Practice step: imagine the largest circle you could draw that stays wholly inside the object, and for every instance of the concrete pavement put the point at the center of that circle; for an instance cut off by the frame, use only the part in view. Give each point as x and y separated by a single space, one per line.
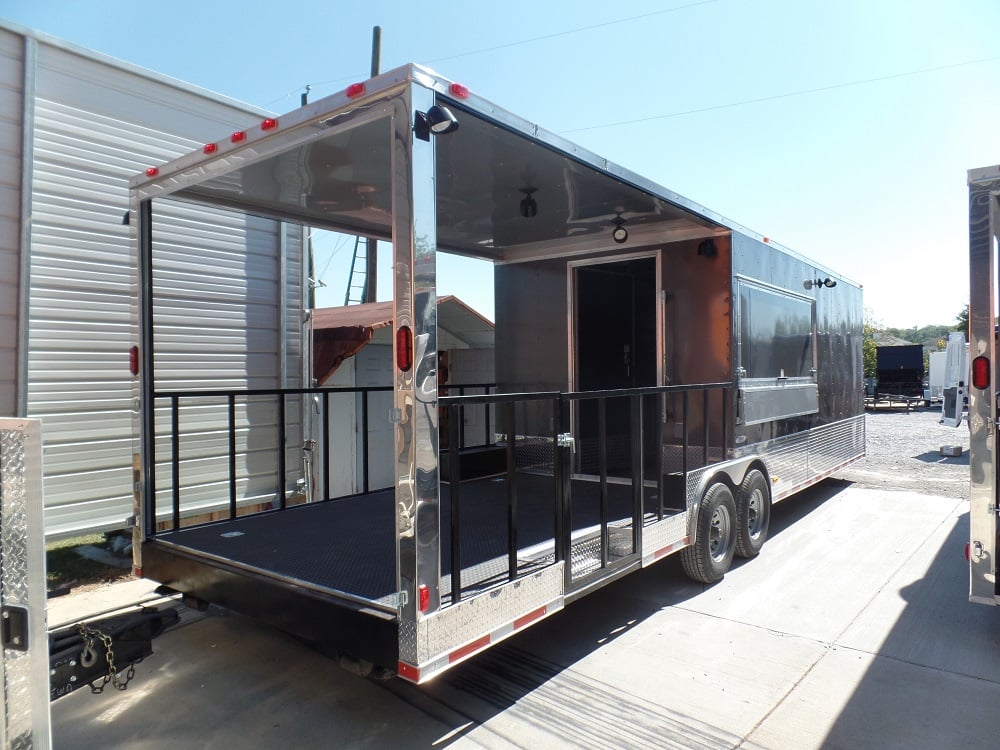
851 630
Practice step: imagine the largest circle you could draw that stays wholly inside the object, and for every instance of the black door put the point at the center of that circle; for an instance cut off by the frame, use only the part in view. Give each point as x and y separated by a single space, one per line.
615 349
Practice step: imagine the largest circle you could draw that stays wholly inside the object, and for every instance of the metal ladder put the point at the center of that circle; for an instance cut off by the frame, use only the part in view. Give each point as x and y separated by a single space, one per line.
357 281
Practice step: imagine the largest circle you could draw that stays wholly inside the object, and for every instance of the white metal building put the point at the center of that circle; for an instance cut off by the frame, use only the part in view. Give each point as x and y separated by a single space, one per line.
74 127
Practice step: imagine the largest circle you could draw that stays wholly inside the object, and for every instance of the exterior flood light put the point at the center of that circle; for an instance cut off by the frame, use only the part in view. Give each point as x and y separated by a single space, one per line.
437 120
819 283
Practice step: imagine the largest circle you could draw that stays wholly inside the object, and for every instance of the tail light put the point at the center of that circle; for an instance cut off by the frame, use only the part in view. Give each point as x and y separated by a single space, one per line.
981 372
404 348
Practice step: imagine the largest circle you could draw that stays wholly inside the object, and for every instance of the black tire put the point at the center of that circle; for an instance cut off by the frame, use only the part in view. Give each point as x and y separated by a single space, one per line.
708 559
753 514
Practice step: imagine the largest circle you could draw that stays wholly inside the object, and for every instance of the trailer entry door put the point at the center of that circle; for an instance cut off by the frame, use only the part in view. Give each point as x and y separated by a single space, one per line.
615 338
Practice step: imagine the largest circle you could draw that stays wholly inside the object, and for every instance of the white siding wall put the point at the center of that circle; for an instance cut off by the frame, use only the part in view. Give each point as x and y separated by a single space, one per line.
218 302
11 81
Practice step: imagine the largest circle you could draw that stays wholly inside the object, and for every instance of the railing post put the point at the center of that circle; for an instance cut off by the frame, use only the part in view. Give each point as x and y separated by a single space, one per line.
281 450
564 478
326 445
704 419
684 427
638 471
602 468
454 485
175 460
509 413
661 486
724 393
364 441
231 402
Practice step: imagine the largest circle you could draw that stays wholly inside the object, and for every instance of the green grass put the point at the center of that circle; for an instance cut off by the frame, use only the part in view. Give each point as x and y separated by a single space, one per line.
65 568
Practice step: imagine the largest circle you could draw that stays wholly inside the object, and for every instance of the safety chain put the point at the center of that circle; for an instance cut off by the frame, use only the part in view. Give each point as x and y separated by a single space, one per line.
88 658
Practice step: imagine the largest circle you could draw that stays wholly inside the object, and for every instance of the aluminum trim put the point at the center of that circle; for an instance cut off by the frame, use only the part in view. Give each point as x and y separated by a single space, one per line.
457 625
29 72
984 223
25 719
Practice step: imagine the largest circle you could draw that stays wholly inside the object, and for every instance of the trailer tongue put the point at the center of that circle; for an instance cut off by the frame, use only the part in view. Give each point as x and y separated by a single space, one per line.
662 377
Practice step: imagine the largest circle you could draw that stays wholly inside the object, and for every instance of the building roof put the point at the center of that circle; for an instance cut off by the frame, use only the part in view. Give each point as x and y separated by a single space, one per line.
341 332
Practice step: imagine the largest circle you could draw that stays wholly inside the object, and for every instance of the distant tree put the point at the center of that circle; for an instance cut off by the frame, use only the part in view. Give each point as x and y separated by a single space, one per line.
962 321
869 348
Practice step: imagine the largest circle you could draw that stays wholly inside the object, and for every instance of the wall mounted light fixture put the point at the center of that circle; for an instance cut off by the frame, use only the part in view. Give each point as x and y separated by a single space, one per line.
819 283
437 120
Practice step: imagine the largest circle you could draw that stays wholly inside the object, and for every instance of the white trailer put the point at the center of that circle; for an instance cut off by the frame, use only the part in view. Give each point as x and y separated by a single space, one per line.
663 376
75 126
984 231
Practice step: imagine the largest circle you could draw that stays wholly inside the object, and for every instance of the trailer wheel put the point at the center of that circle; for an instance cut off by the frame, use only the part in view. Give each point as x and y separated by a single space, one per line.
753 514
708 559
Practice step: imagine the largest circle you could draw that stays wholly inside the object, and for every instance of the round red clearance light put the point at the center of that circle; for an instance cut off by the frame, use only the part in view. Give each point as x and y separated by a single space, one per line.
355 90
269 123
152 172
981 372
458 90
239 135
210 148
404 348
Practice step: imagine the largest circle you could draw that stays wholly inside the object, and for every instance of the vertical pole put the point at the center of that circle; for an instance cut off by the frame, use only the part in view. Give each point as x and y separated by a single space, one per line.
175 461
231 401
564 480
638 470
704 417
326 445
281 449
364 441
511 491
684 424
602 464
661 485
371 252
455 485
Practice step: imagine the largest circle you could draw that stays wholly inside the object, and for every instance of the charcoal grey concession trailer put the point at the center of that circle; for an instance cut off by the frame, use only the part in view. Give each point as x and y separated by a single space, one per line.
663 375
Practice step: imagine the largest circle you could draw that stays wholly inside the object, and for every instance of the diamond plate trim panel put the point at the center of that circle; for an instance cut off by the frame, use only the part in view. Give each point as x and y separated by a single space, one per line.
459 624
25 721
799 460
662 534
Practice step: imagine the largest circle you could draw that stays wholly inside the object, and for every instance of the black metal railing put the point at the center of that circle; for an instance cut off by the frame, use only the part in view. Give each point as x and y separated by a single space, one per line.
644 406
628 429
318 398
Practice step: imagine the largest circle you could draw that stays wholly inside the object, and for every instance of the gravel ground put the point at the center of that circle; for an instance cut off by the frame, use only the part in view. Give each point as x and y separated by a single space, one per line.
904 453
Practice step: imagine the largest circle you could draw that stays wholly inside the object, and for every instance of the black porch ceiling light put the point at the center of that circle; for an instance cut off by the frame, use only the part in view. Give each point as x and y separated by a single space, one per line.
437 120
619 234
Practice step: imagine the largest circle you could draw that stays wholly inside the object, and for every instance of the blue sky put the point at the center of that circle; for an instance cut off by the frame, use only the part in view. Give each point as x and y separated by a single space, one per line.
841 129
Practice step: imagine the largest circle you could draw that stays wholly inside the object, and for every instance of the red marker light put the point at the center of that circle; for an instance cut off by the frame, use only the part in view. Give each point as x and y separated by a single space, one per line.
458 90
210 148
133 360
355 90
981 372
404 348
968 557
269 123
152 172
425 597
239 135
767 240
